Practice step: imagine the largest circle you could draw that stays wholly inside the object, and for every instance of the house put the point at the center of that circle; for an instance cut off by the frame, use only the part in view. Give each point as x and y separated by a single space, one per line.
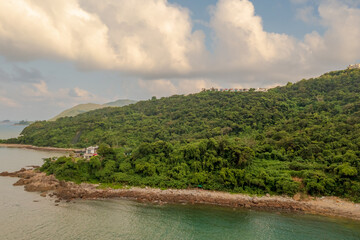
261 90
235 89
90 151
354 66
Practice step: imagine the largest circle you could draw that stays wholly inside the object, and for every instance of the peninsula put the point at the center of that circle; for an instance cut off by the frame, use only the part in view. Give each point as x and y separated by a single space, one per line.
301 140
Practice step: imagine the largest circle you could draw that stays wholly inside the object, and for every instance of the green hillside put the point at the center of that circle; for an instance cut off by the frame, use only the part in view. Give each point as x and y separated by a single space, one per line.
76 110
120 103
82 108
300 138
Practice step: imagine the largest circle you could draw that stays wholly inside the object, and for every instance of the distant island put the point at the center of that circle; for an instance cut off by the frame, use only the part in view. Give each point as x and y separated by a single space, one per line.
82 108
5 121
300 140
23 122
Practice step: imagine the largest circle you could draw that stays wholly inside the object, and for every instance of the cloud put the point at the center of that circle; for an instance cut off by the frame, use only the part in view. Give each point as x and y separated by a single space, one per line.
144 36
19 74
154 39
299 1
307 15
340 43
80 93
36 90
40 29
40 101
40 92
246 53
241 41
7 102
25 75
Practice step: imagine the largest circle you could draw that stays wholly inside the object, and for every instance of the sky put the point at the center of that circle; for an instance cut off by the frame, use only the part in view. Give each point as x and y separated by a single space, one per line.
57 54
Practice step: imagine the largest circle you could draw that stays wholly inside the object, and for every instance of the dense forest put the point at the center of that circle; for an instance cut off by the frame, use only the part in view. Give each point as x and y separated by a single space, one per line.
299 138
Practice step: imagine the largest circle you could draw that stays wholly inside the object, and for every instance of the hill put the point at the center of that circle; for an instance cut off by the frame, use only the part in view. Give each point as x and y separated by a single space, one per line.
82 108
120 103
76 110
302 138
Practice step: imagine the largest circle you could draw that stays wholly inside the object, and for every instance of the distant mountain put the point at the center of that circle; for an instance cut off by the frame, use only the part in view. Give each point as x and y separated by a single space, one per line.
82 108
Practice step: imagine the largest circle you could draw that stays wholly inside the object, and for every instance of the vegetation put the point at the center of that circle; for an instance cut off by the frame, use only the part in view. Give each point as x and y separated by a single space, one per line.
302 137
23 122
82 108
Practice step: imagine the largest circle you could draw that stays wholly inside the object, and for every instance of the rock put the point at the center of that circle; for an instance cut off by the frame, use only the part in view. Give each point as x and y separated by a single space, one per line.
297 197
4 174
21 182
39 182
33 166
36 201
62 183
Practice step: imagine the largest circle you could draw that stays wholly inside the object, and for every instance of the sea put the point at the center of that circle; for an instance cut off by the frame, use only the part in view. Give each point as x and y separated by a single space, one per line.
26 215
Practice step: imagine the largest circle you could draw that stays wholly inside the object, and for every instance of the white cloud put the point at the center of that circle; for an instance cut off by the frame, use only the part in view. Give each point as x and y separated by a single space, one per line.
61 29
155 39
241 39
307 15
148 35
39 92
246 53
80 93
7 102
133 36
340 43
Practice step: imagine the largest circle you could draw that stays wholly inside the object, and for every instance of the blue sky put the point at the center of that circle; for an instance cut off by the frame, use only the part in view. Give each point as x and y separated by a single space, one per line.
54 55
278 15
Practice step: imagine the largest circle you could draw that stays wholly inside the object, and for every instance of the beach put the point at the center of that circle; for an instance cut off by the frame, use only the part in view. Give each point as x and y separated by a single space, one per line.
48 186
37 148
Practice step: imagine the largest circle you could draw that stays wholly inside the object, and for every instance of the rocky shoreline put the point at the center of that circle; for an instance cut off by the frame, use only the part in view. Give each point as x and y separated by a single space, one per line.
35 181
8 145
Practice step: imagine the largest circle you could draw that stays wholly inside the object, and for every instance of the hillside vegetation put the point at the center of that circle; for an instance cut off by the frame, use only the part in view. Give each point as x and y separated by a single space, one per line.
82 108
76 110
300 138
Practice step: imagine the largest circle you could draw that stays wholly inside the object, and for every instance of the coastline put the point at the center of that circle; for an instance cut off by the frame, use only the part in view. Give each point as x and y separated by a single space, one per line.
35 181
10 145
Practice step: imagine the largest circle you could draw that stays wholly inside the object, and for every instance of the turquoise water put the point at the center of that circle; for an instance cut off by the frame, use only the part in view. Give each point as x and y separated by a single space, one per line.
25 215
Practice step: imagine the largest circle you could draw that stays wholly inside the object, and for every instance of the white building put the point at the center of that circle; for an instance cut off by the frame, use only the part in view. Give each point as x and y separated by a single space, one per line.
354 66
90 151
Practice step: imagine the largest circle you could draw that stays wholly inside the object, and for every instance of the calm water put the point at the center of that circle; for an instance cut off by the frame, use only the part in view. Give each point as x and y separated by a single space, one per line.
9 130
26 215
